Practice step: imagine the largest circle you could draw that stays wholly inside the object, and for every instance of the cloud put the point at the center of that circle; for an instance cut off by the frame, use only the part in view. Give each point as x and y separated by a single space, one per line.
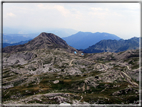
44 6
96 9
63 11
122 19
41 6
54 7
11 14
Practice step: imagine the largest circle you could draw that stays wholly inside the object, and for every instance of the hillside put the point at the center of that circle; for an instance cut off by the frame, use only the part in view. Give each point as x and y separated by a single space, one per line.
43 41
50 76
113 46
83 40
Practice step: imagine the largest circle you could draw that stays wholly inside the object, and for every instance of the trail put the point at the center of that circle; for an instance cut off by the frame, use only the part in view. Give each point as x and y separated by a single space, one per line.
70 64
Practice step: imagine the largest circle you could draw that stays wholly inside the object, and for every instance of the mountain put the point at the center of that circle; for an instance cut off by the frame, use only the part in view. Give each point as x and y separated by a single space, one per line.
43 41
83 40
113 46
13 44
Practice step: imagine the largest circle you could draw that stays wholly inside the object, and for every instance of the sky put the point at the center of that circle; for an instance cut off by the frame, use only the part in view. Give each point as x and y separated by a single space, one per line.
121 19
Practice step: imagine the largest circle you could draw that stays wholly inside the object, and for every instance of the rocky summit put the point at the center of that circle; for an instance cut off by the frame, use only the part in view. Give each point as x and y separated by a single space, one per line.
43 41
51 73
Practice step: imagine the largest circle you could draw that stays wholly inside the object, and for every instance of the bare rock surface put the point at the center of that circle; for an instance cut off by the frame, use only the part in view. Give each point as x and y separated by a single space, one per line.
56 76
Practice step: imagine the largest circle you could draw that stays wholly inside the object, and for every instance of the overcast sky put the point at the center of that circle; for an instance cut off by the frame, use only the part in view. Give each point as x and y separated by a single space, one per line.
121 19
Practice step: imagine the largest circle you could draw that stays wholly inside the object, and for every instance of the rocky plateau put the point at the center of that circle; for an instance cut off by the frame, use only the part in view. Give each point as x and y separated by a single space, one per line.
50 73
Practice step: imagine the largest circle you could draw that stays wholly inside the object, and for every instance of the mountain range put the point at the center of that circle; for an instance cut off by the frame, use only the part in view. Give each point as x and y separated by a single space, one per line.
12 35
104 45
43 41
83 40
78 40
113 45
47 71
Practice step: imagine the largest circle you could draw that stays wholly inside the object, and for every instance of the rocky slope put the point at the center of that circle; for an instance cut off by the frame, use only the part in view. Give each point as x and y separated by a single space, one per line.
53 76
43 41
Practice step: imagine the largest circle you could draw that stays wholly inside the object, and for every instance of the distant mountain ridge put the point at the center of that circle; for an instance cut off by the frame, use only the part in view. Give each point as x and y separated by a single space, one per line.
61 32
15 38
113 46
83 40
13 44
43 41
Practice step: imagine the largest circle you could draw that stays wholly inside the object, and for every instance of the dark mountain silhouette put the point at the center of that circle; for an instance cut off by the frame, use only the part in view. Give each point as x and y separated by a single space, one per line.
113 46
43 41
83 40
